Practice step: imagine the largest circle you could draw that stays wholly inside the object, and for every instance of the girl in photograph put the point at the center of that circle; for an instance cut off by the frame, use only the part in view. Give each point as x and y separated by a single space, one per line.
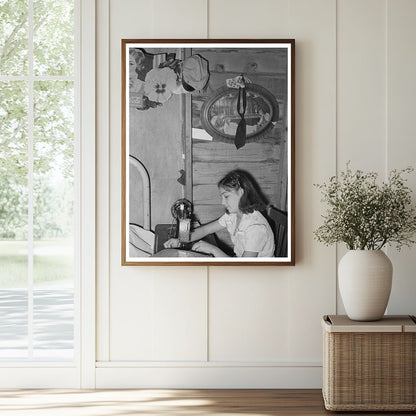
248 228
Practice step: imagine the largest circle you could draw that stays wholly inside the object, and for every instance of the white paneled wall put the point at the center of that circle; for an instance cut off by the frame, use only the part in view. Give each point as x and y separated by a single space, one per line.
401 132
361 88
361 84
163 316
248 315
254 326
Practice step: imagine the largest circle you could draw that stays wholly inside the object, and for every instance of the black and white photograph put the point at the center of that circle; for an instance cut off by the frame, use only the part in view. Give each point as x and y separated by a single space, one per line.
208 152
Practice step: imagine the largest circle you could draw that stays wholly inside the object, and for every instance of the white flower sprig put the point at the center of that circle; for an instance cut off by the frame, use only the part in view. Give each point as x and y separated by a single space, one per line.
365 215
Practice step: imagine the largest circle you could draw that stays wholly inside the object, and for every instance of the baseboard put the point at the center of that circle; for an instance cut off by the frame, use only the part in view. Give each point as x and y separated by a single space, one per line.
39 378
209 377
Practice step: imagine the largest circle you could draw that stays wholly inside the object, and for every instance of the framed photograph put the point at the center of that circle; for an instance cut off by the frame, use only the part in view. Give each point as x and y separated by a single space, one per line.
208 134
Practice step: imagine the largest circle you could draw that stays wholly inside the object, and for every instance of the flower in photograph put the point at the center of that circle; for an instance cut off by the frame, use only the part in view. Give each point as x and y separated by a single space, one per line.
160 83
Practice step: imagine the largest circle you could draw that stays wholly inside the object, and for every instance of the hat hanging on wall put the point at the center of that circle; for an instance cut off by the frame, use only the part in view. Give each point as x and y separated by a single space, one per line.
195 74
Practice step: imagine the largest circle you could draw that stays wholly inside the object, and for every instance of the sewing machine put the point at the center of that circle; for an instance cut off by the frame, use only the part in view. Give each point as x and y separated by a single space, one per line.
181 211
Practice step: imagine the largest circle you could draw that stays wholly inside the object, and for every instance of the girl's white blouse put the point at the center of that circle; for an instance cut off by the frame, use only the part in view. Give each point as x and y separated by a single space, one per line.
253 234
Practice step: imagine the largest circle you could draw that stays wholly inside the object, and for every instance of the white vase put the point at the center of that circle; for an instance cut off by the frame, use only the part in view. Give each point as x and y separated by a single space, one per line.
364 278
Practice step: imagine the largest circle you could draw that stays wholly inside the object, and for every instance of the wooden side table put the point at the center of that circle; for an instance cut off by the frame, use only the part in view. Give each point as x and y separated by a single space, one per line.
369 366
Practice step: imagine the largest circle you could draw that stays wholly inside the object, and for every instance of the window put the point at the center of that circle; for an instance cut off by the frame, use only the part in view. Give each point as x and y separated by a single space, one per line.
38 185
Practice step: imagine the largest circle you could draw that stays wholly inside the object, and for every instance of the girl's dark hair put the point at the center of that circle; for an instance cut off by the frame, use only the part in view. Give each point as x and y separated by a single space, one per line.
252 198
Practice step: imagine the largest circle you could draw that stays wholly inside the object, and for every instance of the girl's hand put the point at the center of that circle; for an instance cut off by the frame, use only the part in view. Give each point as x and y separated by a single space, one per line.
172 243
205 247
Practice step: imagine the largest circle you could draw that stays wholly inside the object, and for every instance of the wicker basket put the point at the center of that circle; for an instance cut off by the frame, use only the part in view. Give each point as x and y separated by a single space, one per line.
369 366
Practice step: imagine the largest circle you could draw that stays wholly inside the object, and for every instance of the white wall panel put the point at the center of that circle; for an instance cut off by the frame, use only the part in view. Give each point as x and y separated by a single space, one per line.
354 101
180 308
264 19
311 282
298 338
361 89
158 316
401 140
179 19
248 314
265 307
145 322
361 84
159 19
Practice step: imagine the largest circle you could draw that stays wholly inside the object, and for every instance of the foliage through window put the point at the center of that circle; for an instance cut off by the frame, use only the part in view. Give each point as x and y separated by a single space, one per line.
37 160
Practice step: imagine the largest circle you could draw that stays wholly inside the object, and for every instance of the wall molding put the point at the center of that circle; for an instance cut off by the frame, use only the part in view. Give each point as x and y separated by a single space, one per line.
103 179
207 377
43 377
204 364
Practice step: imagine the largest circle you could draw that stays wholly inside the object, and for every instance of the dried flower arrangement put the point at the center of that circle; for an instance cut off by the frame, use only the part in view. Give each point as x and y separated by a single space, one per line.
366 215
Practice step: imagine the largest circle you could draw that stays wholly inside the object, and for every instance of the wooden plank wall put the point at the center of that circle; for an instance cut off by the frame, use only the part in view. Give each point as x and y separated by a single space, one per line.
266 158
155 140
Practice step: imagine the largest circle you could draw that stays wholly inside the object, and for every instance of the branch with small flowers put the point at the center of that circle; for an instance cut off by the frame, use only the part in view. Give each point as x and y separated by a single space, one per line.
364 214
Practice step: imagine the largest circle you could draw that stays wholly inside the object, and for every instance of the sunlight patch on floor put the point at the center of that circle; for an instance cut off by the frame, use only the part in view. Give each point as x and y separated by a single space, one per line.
108 403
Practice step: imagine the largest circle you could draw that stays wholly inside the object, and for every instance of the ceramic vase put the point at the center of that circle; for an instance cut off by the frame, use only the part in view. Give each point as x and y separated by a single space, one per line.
364 278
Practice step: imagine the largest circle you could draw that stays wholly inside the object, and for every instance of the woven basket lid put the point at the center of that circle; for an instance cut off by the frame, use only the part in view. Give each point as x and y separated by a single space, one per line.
389 323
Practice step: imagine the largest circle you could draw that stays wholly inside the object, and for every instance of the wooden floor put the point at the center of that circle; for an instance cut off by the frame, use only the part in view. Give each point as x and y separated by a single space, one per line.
165 402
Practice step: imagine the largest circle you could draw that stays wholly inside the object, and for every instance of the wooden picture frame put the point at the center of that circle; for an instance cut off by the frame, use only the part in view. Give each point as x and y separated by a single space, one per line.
194 113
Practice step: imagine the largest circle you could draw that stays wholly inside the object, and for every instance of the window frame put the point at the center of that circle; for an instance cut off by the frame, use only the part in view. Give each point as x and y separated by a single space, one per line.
81 371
